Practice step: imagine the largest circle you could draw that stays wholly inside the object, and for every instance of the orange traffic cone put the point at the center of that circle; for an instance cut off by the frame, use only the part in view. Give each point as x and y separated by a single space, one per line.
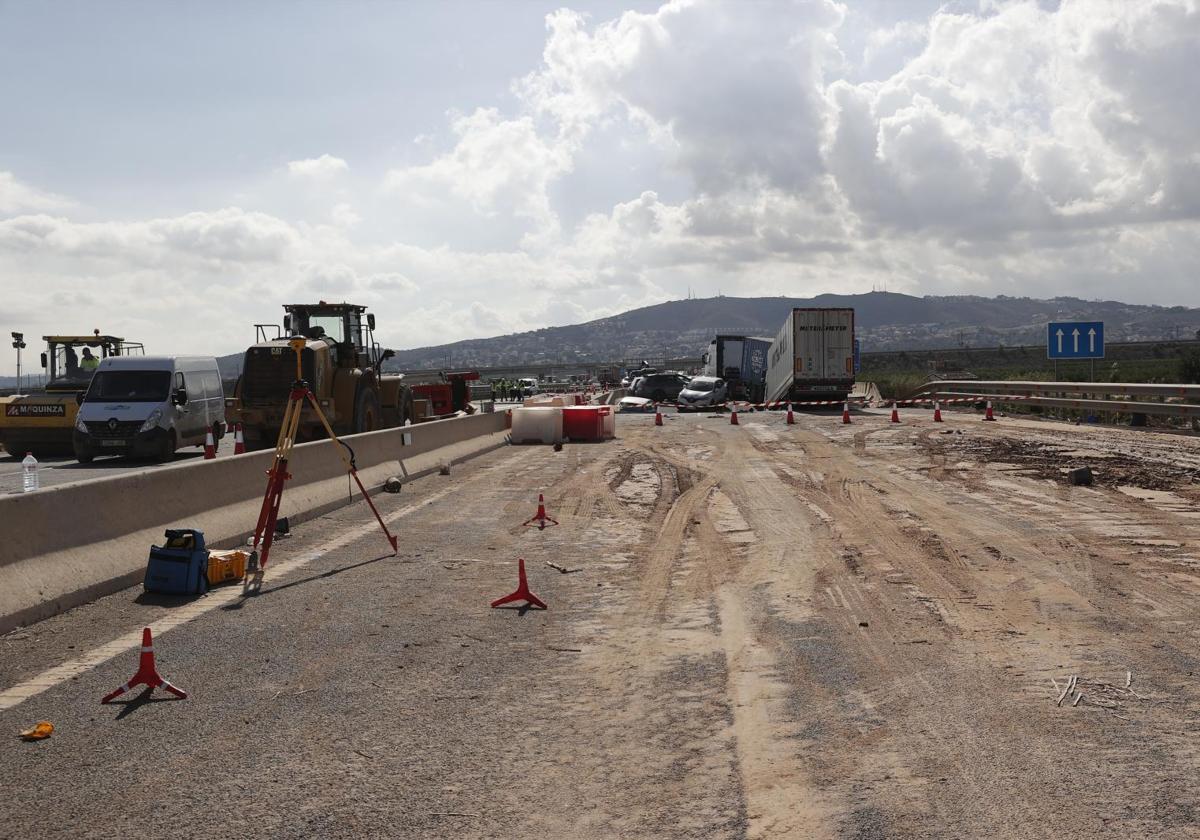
147 674
239 442
657 417
791 418
522 593
895 413
988 414
846 412
210 446
937 412
733 421
540 517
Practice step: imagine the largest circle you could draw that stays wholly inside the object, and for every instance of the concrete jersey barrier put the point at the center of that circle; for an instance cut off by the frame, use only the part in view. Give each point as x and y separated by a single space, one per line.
66 545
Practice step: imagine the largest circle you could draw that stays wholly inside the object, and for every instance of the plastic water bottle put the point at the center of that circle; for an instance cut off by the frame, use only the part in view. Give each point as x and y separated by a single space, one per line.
29 473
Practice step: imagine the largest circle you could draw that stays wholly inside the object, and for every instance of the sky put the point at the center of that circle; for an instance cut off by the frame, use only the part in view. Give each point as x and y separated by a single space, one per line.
175 172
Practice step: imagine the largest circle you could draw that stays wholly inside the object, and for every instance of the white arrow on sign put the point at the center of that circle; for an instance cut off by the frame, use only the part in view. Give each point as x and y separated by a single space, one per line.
1075 332
1060 335
1092 340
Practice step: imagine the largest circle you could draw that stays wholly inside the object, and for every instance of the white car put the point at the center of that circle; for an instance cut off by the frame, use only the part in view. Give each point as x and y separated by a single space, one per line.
703 392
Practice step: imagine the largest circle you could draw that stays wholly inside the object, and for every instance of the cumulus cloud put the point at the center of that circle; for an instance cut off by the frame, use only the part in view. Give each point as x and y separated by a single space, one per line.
1019 147
18 197
322 168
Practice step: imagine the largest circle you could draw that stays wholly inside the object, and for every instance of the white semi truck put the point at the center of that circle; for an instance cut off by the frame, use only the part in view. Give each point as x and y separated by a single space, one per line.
812 357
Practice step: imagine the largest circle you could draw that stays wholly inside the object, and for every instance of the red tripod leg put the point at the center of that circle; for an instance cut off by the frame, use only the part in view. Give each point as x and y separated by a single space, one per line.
374 510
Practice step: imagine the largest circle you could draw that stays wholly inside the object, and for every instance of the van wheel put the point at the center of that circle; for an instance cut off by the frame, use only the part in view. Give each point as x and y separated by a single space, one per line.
166 450
366 411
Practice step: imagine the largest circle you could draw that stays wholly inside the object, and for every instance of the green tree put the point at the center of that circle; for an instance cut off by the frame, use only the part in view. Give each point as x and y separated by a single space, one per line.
1189 366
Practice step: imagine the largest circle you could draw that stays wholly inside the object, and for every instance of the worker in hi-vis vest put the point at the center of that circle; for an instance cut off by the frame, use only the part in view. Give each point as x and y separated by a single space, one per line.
88 362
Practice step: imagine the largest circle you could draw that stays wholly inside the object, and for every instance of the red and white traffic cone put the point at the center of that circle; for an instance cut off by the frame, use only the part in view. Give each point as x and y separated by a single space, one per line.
522 593
239 441
210 446
846 412
987 415
540 517
791 418
147 674
895 413
733 421
937 412
657 417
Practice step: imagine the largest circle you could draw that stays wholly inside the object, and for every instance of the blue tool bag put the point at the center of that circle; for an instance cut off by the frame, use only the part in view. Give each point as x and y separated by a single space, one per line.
180 566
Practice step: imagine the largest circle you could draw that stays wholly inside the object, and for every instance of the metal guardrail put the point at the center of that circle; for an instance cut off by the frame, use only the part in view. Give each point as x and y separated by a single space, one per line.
1085 396
1033 389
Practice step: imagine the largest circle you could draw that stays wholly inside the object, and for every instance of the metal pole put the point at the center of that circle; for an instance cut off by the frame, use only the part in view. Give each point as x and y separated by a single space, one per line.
18 370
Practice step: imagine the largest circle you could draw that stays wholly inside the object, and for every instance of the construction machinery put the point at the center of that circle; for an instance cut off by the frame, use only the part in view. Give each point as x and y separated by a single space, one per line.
444 394
42 422
340 361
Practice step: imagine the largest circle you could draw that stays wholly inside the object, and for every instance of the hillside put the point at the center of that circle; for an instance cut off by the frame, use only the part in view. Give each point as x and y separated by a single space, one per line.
885 321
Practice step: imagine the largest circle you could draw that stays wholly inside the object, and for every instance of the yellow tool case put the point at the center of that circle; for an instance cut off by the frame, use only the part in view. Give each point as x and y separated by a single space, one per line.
226 566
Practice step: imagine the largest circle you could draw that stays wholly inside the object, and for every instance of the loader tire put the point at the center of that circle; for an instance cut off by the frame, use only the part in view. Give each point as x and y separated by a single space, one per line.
367 413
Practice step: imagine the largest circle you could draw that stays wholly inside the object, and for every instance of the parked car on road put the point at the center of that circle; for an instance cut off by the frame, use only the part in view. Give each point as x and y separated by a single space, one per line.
703 392
660 387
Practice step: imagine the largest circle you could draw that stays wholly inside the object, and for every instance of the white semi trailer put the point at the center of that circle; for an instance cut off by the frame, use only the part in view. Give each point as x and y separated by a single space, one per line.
812 357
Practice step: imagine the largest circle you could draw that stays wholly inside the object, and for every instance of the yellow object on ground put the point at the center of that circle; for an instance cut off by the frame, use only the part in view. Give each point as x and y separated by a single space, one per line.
226 566
40 730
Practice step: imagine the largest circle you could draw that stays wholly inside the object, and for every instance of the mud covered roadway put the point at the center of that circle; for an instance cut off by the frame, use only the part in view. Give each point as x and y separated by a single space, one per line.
764 630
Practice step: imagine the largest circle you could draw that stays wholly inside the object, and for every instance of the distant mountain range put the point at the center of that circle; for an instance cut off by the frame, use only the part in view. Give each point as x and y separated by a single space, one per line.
884 321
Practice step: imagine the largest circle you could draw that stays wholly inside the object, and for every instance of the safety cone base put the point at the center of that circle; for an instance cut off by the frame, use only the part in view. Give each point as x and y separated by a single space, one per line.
147 673
522 592
541 517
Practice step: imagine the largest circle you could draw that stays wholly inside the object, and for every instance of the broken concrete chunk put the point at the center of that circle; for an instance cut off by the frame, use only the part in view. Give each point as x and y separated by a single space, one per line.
392 485
1079 476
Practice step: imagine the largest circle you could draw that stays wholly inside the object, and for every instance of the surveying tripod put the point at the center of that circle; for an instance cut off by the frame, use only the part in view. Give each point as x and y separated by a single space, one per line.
277 476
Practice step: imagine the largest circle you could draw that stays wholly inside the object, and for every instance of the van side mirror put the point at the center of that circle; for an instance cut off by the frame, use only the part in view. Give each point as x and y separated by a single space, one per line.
371 320
179 396
287 324
79 395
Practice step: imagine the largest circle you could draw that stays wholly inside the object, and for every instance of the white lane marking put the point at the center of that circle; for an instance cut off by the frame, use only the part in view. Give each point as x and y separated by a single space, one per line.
182 615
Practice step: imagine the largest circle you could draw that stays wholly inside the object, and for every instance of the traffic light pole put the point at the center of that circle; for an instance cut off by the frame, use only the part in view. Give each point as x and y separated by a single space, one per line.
18 344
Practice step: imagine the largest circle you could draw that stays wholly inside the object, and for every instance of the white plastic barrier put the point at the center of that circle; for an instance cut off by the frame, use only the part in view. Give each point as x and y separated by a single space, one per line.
537 425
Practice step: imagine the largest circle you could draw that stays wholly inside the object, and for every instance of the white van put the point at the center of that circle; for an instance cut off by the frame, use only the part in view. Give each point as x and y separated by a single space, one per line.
149 407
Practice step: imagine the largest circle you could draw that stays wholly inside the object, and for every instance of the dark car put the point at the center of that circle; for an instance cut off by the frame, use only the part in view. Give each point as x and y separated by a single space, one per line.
660 387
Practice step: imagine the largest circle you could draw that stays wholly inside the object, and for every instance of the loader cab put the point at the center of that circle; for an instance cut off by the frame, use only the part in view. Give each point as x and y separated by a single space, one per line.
343 325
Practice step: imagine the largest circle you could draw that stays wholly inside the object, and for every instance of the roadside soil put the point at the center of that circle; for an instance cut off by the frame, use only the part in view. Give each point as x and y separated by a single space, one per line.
819 630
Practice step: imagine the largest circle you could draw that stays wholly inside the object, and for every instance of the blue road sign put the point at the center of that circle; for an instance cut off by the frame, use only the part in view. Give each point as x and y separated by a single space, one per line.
857 358
1075 340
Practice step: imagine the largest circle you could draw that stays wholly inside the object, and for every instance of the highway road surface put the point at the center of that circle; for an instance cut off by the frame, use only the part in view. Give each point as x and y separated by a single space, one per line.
62 469
812 631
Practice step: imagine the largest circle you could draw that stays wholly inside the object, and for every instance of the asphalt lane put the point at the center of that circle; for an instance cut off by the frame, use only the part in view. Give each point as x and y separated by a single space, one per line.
63 469
344 701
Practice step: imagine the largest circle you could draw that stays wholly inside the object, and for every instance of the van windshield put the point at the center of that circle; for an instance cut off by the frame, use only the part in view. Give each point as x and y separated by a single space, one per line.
130 386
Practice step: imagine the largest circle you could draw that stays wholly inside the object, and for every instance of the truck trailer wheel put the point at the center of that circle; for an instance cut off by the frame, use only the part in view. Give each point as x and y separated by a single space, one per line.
367 412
